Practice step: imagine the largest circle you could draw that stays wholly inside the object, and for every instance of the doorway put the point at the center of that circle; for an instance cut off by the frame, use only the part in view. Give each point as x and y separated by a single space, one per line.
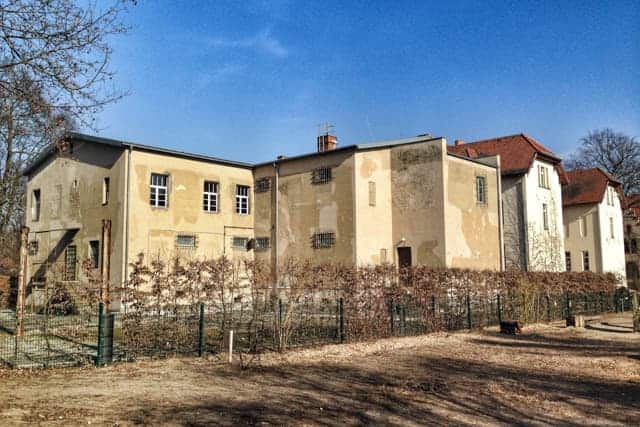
404 257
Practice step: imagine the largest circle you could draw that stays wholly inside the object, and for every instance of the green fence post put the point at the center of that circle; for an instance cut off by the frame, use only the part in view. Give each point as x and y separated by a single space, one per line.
100 334
341 324
499 309
468 311
201 331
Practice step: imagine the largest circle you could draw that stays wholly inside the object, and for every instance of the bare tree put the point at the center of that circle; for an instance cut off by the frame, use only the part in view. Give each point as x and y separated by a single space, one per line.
615 152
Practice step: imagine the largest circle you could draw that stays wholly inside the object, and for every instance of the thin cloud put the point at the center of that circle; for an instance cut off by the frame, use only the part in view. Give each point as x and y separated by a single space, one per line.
219 74
263 41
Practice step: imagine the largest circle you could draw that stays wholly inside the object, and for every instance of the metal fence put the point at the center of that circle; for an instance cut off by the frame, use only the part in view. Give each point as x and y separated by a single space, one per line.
88 335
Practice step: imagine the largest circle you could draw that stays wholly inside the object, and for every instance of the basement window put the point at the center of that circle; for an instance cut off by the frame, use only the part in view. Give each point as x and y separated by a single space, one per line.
323 240
321 175
239 242
158 190
35 205
262 243
186 241
263 185
94 253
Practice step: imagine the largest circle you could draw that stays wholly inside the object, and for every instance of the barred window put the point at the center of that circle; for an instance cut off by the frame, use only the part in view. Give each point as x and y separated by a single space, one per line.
263 185
262 243
240 242
70 263
321 176
158 190
481 189
242 199
33 247
210 196
186 241
323 240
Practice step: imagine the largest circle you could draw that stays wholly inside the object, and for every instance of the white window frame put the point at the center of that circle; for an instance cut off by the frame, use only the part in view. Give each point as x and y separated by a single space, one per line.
545 217
155 189
242 200
210 199
481 190
543 176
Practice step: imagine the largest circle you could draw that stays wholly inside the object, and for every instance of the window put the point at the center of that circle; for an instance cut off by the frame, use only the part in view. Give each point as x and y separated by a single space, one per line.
242 199
263 185
33 247
545 216
323 240
611 228
105 191
585 261
372 193
628 229
481 189
567 260
262 243
210 196
186 241
158 190
94 253
611 195
321 176
70 261
35 205
240 242
543 176
582 222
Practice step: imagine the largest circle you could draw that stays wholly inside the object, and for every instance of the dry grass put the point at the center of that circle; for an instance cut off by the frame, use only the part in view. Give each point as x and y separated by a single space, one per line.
547 376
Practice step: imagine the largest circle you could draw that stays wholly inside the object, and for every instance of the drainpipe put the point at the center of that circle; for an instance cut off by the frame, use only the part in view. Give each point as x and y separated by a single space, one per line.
127 202
276 169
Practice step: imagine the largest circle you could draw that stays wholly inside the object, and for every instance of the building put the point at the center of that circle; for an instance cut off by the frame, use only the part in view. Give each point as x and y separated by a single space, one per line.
407 202
531 180
594 238
632 240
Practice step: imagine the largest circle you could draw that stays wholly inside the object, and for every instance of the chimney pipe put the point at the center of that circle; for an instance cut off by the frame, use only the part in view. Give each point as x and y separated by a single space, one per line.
326 141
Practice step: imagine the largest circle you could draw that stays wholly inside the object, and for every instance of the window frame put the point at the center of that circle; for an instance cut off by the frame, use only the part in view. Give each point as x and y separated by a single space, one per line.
106 188
192 245
262 243
612 234
36 204
481 190
323 240
210 198
545 216
262 185
95 262
235 242
240 198
543 177
567 260
154 191
321 175
71 271
586 262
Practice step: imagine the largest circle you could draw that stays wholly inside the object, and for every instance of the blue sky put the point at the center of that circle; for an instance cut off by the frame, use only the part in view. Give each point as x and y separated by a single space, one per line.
249 80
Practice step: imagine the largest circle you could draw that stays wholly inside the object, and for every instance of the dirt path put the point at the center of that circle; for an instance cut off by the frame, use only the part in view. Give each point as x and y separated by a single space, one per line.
547 376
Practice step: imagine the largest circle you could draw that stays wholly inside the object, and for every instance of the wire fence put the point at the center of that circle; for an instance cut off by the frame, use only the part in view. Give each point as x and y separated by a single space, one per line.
88 335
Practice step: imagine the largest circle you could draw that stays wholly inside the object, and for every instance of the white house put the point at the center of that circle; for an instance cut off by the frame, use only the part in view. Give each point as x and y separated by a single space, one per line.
593 217
532 179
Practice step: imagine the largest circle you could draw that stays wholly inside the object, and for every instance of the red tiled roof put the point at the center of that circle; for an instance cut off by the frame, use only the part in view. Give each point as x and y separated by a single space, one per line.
517 153
586 186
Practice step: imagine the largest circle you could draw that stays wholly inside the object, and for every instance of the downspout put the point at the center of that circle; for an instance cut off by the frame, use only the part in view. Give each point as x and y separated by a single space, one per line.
500 213
276 169
127 202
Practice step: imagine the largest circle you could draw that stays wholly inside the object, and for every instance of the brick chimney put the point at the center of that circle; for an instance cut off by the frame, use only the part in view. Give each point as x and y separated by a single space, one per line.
458 142
326 140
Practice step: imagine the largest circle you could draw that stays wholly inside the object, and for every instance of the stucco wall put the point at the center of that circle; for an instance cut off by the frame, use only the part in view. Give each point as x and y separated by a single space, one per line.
153 230
71 198
575 242
472 228
417 180
515 252
611 249
545 248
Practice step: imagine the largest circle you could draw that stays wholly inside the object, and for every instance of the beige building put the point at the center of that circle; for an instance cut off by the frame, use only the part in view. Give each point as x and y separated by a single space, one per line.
594 238
406 202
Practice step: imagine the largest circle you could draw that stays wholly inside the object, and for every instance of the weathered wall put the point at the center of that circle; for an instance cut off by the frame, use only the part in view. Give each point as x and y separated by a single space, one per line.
153 230
545 249
417 180
514 230
71 205
374 224
472 228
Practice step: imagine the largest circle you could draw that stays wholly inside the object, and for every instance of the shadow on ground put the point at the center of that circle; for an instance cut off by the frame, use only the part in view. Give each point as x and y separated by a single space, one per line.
414 387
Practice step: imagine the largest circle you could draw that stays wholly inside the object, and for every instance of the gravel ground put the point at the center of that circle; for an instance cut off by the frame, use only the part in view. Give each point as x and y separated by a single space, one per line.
549 375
